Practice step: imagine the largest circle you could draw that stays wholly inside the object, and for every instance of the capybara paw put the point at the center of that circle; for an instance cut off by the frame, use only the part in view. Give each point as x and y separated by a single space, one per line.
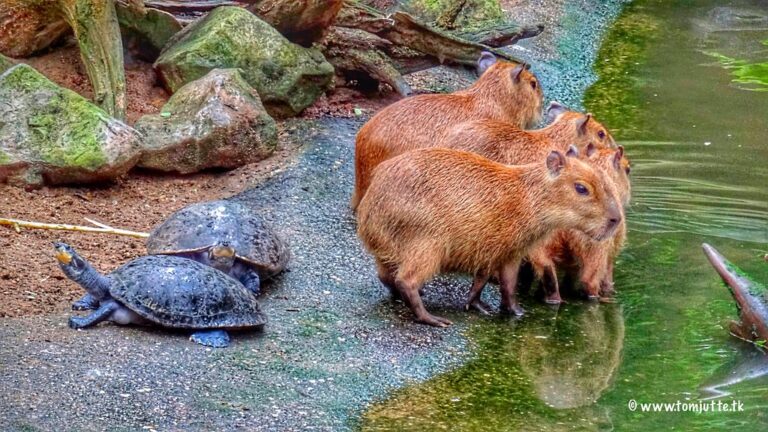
479 306
603 299
553 300
434 321
514 309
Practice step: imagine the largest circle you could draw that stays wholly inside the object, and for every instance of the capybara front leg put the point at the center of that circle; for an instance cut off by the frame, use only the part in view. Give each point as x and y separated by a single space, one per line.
508 279
473 300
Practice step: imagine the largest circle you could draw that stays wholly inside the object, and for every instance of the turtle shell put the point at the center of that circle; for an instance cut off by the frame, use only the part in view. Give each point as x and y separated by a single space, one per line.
182 293
200 226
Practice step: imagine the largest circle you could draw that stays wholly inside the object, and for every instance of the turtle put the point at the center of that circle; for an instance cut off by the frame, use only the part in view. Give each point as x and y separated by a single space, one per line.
222 234
164 290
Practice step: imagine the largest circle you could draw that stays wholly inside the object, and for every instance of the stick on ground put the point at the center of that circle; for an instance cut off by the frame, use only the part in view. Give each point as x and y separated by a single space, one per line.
101 228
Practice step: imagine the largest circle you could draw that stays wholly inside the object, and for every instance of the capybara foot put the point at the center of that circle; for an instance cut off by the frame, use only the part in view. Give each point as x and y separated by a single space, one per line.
433 320
513 309
480 306
553 299
603 299
593 297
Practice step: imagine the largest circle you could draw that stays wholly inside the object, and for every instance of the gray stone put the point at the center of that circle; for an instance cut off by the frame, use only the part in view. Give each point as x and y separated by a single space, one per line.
217 121
52 135
287 76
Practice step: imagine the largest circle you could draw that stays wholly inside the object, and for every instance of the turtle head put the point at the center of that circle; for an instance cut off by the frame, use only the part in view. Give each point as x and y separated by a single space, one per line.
222 256
72 264
81 271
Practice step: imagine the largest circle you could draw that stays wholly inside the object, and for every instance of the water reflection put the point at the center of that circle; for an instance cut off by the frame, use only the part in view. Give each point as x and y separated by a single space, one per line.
572 358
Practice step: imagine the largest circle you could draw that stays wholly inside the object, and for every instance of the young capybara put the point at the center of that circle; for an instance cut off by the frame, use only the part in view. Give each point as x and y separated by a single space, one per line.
439 210
572 249
505 91
505 143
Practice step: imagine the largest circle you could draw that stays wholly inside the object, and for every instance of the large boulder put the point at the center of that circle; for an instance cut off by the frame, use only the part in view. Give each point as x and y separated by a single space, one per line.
287 76
217 121
52 135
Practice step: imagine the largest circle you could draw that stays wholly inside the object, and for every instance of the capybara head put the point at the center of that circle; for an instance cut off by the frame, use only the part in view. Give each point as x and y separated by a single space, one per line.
514 82
583 195
615 165
582 129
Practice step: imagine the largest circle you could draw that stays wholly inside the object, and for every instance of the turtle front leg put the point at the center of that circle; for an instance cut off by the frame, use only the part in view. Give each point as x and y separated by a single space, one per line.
252 281
212 338
87 302
101 314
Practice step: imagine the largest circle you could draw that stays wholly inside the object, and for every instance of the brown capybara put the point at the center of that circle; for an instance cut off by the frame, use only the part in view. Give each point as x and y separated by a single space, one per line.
572 249
439 210
505 91
506 143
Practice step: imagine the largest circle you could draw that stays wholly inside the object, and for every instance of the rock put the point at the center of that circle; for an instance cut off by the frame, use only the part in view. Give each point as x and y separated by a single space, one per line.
287 76
52 135
28 26
216 121
5 63
458 14
152 28
301 21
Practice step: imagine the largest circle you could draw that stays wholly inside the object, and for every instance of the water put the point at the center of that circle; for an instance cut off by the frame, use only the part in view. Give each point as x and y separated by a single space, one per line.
674 89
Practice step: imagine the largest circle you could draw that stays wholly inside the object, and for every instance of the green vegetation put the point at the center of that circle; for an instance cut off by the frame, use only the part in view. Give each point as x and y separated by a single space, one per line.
751 76
615 97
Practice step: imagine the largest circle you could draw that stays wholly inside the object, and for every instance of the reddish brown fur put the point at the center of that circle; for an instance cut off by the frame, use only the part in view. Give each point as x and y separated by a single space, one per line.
422 121
572 249
436 210
508 144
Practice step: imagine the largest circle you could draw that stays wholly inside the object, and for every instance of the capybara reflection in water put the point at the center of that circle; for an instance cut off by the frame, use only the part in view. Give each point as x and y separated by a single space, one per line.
440 210
505 91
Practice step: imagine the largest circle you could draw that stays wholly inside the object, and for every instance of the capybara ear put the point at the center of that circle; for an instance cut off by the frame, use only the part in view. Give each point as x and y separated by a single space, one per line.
583 124
485 61
617 157
572 151
590 149
555 162
517 71
554 109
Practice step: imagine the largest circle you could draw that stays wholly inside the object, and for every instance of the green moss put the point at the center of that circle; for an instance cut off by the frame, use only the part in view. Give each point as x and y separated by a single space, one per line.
615 98
287 76
5 63
63 128
751 76
474 14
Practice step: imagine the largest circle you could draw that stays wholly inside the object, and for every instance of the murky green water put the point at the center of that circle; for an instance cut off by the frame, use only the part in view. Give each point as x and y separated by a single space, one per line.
697 132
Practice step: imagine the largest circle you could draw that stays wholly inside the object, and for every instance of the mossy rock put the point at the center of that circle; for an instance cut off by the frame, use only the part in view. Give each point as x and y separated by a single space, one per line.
152 28
474 14
52 135
5 63
287 76
217 121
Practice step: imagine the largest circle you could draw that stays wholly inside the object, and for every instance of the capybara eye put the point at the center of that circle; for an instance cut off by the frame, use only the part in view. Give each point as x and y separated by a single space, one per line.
628 170
601 134
533 85
581 189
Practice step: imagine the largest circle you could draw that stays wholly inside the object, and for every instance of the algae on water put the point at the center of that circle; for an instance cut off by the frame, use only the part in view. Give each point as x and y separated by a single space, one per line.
751 76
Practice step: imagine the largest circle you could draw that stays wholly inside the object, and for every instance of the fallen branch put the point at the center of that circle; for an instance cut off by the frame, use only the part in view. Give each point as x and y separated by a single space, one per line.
100 228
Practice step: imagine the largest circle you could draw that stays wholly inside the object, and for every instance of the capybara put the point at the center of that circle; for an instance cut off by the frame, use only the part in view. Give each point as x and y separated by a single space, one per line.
506 143
440 210
505 91
572 249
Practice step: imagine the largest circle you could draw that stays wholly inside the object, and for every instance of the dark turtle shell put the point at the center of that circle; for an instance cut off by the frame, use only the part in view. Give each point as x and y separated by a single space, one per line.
200 226
182 293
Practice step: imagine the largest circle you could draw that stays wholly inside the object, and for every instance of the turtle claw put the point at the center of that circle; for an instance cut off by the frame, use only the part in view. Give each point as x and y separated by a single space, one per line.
87 302
211 338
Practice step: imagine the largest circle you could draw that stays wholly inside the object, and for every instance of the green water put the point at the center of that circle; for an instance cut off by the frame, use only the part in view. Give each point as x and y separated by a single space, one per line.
697 134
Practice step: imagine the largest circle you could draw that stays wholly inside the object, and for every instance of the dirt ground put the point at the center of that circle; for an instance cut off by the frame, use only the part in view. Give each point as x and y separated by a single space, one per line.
31 282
